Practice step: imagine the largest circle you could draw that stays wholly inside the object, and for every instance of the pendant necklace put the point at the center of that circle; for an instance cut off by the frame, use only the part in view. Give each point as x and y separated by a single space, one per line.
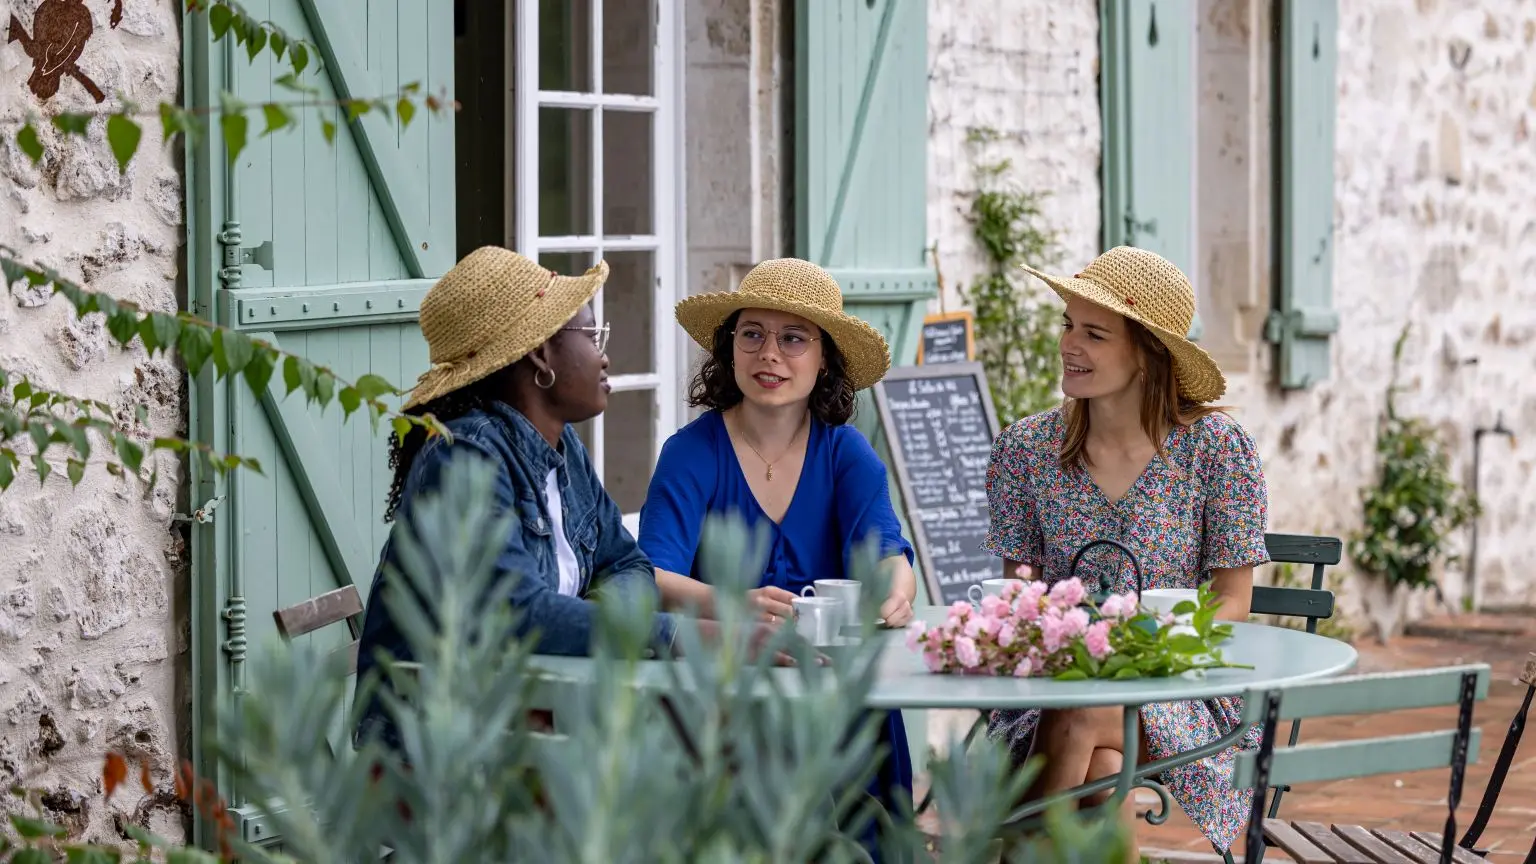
791 446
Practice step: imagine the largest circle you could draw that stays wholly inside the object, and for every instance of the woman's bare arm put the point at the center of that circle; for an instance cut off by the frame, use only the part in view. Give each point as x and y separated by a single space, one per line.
1234 587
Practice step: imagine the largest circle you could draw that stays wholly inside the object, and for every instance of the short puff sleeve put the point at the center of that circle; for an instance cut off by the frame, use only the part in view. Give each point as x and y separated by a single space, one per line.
1236 497
1014 533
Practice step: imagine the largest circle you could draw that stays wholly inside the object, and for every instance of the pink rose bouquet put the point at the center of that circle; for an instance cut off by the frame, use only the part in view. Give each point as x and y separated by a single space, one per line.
1035 630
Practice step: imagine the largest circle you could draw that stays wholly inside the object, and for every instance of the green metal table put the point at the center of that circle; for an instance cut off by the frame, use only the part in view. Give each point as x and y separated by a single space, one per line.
1278 655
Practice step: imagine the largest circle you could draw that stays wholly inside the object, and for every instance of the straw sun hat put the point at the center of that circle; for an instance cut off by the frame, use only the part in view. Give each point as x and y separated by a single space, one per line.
800 288
1150 290
492 308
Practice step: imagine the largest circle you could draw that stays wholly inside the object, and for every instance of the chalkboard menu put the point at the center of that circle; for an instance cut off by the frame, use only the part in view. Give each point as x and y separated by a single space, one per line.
939 425
946 339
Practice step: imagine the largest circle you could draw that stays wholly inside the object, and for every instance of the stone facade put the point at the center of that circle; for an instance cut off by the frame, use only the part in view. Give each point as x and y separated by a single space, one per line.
1436 230
93 580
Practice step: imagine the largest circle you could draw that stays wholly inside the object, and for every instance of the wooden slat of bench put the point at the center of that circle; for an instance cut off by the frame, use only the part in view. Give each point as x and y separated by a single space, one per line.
317 612
1458 854
1291 841
1295 602
1366 842
1400 841
1318 834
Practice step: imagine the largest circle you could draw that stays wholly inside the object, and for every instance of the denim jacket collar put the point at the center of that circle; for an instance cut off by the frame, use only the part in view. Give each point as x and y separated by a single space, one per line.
531 447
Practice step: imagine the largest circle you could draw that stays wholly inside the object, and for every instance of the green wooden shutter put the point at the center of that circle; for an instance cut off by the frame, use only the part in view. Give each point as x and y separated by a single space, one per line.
861 155
1148 94
324 249
861 181
1305 318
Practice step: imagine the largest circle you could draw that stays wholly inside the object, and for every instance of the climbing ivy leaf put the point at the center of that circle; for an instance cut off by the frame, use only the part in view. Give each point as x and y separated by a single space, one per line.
123 135
231 351
71 123
234 126
27 140
277 117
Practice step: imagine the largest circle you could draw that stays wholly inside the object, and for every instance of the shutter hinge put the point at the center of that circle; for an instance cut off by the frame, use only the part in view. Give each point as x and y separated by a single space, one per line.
234 616
261 256
202 515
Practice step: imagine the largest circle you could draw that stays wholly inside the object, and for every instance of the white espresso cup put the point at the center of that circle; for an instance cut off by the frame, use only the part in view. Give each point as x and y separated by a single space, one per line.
846 590
989 587
818 620
1162 601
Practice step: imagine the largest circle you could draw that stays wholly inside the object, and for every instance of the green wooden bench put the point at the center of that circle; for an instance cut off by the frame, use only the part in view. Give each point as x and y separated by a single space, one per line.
1313 843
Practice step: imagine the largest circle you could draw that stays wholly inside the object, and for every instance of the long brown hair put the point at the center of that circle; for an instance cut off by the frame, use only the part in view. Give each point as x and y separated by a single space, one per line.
1162 408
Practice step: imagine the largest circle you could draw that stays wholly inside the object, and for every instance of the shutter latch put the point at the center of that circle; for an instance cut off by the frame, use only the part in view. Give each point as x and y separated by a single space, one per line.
261 256
1133 227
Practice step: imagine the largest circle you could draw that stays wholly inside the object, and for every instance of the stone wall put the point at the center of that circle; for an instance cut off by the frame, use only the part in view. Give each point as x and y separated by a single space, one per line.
1027 75
92 620
1435 202
1436 229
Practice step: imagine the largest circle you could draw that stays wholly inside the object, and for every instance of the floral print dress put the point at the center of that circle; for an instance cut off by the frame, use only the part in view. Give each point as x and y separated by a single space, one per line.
1200 505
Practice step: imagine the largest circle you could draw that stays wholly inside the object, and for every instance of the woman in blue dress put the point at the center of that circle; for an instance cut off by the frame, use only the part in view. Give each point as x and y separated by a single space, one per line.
774 447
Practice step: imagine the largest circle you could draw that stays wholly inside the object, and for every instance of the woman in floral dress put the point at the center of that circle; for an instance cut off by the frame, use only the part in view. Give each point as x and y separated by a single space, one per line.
1136 454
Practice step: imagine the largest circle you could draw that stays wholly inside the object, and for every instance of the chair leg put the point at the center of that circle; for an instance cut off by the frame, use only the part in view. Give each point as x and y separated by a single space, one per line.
1500 770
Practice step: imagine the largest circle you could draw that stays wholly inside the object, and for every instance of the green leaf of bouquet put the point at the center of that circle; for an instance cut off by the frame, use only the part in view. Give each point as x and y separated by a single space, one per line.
1186 643
1072 675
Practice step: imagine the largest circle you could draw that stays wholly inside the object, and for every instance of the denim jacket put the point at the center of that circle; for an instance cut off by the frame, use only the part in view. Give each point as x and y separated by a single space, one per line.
606 553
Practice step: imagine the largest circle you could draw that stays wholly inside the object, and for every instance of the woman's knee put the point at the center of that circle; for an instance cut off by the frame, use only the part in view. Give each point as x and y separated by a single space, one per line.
1081 727
1105 762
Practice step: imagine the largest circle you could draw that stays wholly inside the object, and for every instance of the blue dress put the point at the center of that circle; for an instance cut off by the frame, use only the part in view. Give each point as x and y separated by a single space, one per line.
842 499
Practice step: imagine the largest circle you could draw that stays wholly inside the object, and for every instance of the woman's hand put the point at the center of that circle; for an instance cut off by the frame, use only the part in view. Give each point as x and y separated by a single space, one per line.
896 610
772 603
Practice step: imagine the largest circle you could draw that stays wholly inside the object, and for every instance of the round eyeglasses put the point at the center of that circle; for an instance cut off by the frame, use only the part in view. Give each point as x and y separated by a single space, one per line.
599 335
750 339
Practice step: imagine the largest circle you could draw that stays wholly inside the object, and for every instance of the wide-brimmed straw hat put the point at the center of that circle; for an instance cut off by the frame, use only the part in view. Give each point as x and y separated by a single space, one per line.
492 308
1152 291
800 288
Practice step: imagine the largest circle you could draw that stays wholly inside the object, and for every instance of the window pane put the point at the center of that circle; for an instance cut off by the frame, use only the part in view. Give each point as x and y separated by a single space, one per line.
566 263
628 173
565 171
565 45
629 39
629 438
628 301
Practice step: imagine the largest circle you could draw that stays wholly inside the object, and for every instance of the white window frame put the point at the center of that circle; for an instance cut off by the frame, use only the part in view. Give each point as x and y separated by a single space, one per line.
665 243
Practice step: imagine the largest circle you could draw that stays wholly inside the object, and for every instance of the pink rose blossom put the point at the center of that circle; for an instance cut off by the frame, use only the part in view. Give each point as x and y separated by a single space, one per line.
993 606
1097 640
967 653
960 609
1075 621
933 660
1068 593
1011 591
1053 631
1006 634
972 627
1025 667
1119 606
915 633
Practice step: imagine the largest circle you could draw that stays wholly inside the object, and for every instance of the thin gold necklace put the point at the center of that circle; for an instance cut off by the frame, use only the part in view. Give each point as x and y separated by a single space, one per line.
791 445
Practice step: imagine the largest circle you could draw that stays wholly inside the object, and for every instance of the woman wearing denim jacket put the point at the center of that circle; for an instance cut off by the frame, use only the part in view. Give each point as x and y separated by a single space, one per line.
517 358
775 448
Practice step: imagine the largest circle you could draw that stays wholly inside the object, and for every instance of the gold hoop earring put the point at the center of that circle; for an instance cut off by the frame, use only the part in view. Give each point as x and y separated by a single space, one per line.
540 384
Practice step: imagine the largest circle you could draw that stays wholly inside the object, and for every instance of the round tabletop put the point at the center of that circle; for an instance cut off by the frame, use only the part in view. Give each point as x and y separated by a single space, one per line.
1278 656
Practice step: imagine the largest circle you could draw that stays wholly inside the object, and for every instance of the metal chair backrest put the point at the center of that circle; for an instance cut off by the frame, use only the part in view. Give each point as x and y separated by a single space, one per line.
1335 760
332 607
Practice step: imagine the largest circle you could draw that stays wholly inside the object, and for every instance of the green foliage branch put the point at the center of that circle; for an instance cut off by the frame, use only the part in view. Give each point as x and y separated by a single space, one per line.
1411 512
53 419
1017 323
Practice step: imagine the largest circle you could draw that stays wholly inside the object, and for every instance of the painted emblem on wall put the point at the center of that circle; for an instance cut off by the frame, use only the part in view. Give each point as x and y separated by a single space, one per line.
60 29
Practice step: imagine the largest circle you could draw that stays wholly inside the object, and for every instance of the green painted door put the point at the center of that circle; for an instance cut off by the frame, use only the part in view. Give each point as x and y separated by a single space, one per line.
861 156
1148 98
324 249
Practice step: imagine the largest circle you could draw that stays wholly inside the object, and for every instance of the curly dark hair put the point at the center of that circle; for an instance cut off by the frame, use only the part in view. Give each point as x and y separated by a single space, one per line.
714 386
449 406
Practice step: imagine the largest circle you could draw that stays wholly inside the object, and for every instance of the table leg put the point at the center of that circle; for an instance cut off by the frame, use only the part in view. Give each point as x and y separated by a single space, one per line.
1132 746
